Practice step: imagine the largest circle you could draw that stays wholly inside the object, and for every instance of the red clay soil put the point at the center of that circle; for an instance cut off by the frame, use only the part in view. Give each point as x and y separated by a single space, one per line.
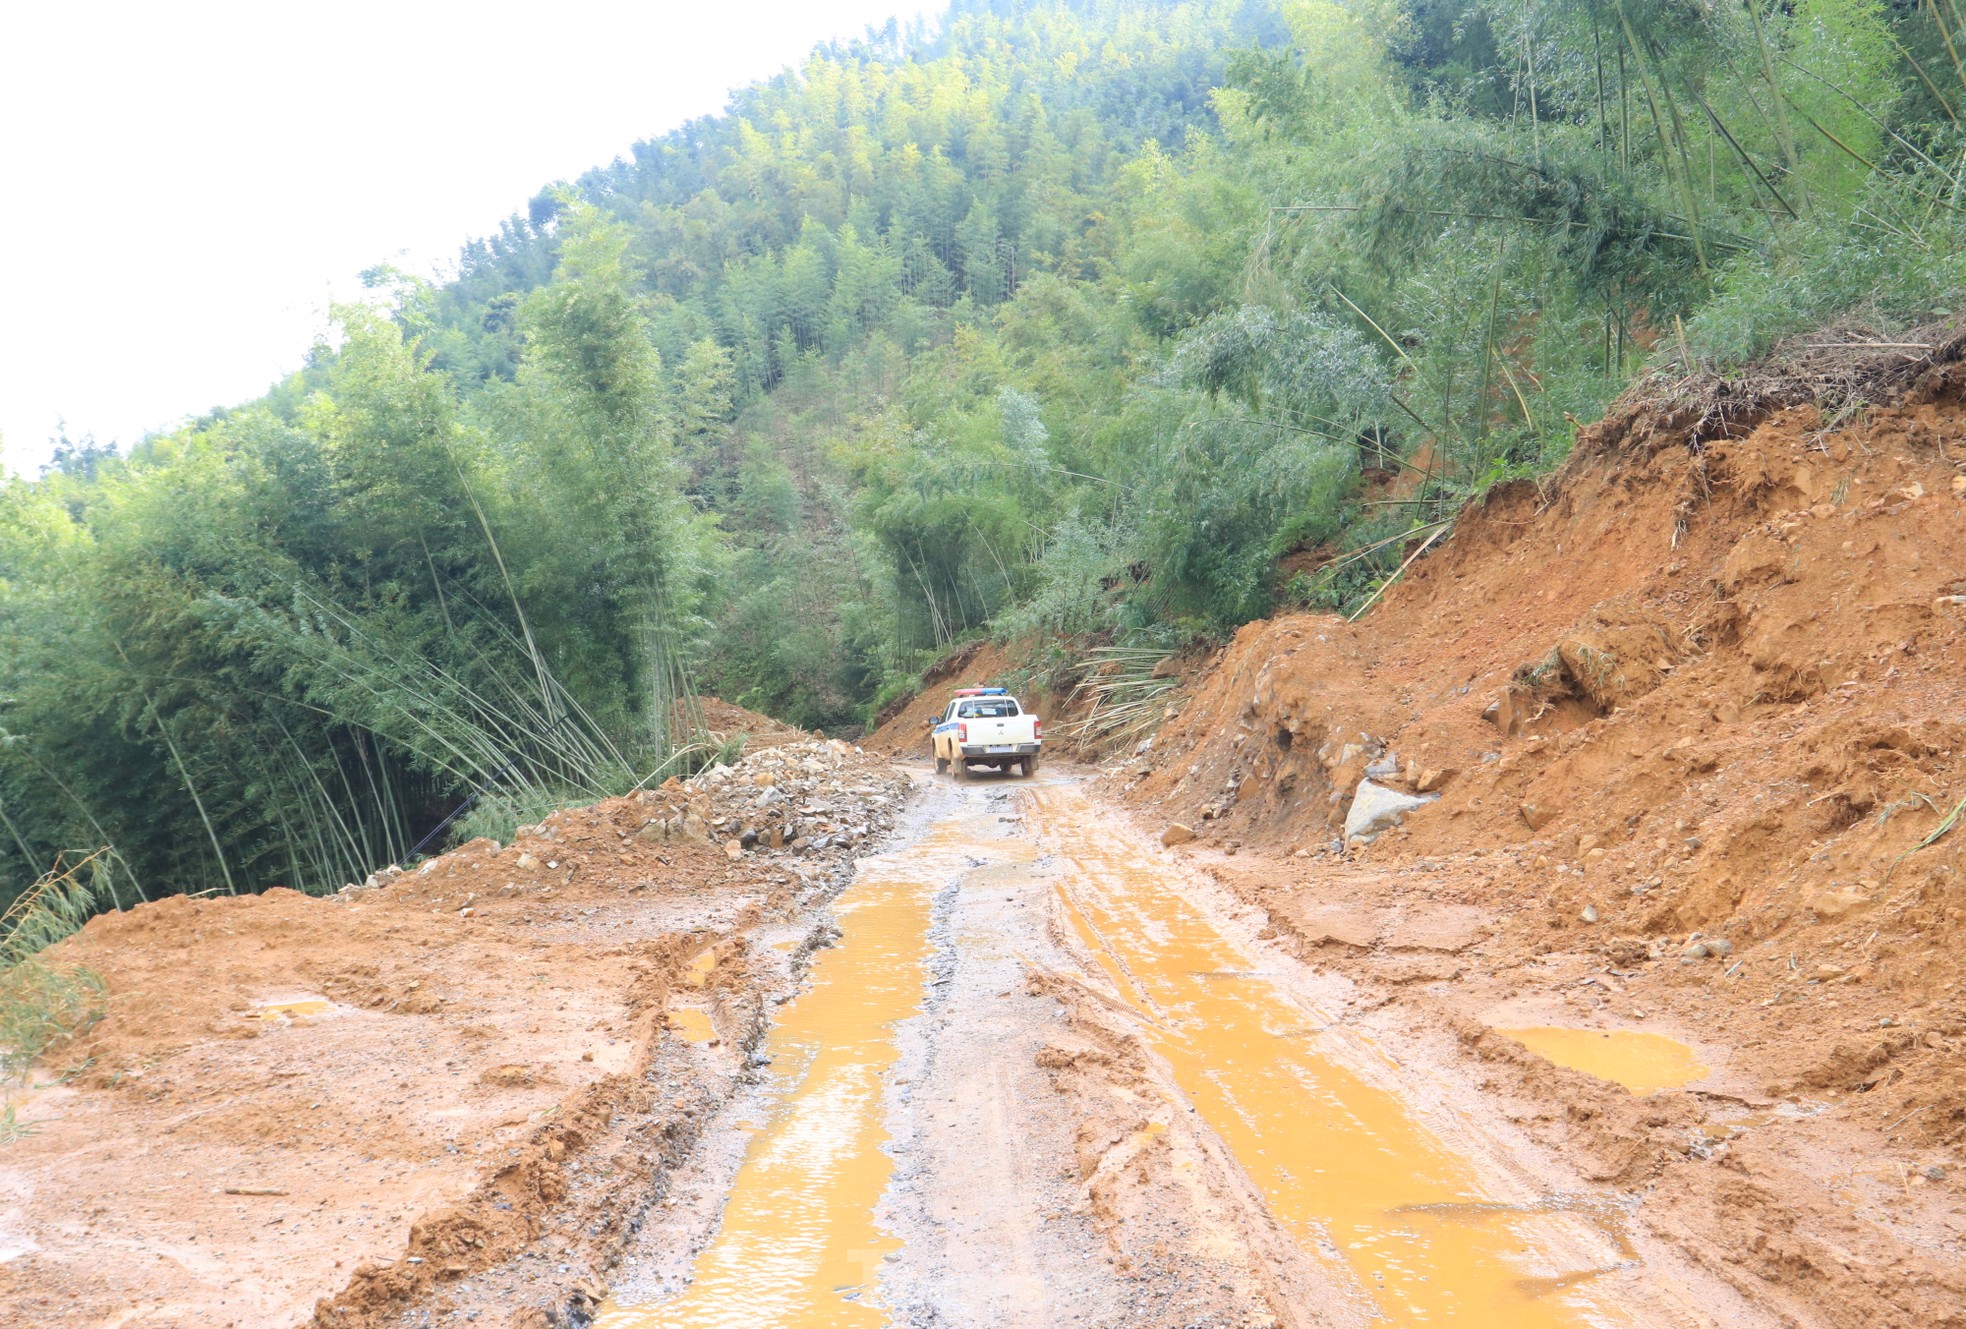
726 720
1691 712
484 1096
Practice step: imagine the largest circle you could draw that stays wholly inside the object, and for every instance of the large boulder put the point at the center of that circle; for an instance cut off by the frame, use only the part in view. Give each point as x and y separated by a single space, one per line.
1375 807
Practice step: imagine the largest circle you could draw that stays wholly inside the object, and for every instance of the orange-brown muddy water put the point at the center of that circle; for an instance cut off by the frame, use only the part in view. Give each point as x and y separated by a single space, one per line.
798 1245
291 1010
1642 1062
693 1023
1334 1156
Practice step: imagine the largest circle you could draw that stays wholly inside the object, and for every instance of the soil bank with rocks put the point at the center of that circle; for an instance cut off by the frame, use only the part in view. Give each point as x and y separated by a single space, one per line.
1670 743
476 1086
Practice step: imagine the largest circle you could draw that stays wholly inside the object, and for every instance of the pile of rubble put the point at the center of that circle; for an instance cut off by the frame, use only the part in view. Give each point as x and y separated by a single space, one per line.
805 797
812 798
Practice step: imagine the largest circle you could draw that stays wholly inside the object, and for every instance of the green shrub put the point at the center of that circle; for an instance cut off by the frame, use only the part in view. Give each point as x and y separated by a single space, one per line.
1899 260
40 1005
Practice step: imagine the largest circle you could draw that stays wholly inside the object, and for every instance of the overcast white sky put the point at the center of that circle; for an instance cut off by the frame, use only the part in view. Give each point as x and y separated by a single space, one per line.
184 186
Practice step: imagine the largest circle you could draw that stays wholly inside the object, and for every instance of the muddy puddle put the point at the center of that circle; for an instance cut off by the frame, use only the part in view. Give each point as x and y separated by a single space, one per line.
302 1008
798 1246
1642 1062
693 1023
1361 1185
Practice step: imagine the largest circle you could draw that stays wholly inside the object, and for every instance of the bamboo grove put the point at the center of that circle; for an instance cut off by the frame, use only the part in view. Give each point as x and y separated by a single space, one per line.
1058 319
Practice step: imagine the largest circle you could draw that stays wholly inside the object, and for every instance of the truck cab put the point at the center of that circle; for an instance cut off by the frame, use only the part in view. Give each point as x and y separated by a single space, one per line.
985 727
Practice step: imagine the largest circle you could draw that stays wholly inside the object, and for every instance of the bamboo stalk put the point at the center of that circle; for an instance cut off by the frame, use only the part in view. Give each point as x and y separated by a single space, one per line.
1946 36
1869 115
1858 156
1783 136
1684 180
1926 79
1371 599
1742 154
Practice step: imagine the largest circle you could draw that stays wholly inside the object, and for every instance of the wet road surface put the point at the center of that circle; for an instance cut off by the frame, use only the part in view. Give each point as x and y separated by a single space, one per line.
909 1163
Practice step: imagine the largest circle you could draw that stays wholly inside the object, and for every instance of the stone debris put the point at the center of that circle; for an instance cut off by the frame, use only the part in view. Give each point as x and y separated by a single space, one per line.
815 798
1538 815
809 797
1375 807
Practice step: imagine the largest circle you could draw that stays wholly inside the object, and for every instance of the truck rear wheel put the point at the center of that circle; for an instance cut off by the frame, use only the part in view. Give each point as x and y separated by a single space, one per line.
961 771
941 765
1030 767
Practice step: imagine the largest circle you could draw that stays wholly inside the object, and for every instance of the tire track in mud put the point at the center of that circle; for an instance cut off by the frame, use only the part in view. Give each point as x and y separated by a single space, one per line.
796 1242
990 1235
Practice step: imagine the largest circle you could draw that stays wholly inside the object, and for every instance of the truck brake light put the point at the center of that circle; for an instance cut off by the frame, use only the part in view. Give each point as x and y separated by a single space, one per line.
962 733
1037 728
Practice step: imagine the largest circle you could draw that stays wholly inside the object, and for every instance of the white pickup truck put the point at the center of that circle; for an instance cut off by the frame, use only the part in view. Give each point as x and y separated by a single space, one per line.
985 727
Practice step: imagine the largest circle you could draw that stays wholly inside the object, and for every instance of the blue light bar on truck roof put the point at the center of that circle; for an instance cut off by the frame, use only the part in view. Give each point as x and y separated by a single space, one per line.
982 692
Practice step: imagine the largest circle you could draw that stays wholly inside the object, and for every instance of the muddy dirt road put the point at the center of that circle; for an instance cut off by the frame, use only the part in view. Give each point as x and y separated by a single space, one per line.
947 1057
1052 1075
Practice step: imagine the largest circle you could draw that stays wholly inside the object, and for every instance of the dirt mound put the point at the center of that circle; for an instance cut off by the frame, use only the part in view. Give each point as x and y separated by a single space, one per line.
1844 370
726 720
1688 722
387 1097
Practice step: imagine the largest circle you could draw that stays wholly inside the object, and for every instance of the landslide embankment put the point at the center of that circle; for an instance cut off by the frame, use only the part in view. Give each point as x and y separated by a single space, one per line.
454 1089
726 722
1670 742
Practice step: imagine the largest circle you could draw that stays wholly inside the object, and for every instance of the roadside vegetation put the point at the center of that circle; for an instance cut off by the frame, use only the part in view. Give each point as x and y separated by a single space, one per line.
41 1002
1067 320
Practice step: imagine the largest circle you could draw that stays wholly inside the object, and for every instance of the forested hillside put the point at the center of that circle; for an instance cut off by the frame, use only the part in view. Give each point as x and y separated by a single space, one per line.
1067 318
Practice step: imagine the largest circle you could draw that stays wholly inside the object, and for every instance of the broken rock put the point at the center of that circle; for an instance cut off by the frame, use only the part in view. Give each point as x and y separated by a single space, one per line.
1538 815
1375 807
1177 833
1838 903
1431 781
